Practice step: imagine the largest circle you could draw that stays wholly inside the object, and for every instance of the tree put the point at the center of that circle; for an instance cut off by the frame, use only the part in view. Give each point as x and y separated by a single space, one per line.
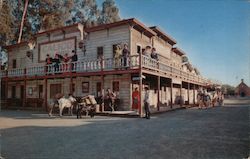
49 14
110 12
85 12
228 89
6 22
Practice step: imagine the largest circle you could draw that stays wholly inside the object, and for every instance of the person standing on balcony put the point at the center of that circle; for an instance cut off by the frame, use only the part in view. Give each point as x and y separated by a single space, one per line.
136 99
147 51
125 55
48 61
117 56
74 59
56 62
146 103
154 55
66 59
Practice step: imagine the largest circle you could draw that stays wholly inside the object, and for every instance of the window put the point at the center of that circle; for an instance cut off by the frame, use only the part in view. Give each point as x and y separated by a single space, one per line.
14 63
13 92
138 49
99 89
54 89
40 91
99 52
85 87
116 87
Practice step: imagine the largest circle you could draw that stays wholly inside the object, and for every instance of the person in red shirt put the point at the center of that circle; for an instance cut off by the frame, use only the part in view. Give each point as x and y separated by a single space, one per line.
48 60
66 59
136 99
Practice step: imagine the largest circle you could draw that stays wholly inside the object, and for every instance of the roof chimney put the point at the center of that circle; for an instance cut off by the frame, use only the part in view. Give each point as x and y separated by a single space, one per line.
242 80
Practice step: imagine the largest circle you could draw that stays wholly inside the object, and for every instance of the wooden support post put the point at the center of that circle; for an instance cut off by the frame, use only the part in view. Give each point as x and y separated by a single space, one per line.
25 85
171 94
103 93
188 93
181 95
194 94
102 85
6 93
140 86
71 85
158 92
46 94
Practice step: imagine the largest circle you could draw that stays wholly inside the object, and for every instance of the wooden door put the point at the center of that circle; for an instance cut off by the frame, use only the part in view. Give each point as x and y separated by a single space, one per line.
54 89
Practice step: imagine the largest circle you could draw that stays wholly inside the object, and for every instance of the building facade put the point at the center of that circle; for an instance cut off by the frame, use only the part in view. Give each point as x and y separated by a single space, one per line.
29 82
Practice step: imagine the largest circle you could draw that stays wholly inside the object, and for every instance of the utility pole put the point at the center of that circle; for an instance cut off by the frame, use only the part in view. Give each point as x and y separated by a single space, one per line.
22 22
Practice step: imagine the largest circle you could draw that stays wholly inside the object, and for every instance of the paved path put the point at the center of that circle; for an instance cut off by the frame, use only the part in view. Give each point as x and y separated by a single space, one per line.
221 132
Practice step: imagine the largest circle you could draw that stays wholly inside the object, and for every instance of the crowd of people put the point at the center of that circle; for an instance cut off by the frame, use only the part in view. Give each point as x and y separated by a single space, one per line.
65 60
206 99
121 58
121 55
150 52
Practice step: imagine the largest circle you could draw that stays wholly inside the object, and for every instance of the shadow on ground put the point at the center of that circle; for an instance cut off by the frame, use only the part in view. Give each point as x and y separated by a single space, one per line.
221 132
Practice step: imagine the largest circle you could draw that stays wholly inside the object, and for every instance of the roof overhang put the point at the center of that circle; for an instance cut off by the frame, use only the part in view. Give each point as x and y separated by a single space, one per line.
178 51
163 35
17 45
132 22
73 27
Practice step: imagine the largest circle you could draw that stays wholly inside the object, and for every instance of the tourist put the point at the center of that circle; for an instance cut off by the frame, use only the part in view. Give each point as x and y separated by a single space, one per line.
56 62
48 61
74 59
146 103
117 56
200 99
147 51
110 98
125 55
154 55
66 59
136 99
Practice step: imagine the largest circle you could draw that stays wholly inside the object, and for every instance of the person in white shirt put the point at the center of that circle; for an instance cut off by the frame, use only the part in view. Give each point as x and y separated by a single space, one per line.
147 51
146 103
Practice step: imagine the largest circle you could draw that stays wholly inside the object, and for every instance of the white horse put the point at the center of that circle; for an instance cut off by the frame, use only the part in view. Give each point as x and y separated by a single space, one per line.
61 103
66 103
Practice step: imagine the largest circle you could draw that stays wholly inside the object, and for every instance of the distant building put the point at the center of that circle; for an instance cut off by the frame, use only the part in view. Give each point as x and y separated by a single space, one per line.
242 89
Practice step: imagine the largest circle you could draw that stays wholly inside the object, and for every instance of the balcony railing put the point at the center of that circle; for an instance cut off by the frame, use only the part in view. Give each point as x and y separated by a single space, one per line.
166 68
107 64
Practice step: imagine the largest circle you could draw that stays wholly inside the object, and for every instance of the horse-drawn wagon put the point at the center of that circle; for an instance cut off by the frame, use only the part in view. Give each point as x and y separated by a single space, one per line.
87 105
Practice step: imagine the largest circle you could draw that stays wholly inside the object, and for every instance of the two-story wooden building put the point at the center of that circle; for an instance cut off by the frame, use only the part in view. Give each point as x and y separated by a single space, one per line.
28 82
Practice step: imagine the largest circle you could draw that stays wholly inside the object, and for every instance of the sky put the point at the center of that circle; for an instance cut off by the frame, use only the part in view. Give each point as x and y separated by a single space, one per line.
215 34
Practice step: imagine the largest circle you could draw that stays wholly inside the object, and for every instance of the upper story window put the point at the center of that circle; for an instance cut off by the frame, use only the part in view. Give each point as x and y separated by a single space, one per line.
99 52
14 63
138 49
116 87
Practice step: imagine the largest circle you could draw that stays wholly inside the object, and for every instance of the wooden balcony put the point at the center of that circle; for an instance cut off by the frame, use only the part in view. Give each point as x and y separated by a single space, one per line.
112 65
